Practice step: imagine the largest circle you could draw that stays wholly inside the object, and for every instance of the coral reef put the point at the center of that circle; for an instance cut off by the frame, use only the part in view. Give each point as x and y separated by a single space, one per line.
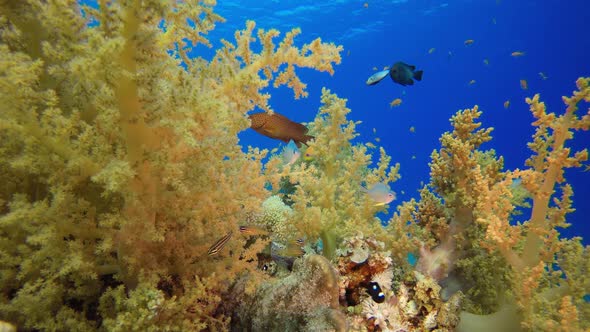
121 167
117 161
305 300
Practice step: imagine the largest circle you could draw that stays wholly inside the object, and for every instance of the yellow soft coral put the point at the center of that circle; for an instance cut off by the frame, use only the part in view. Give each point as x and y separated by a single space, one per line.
122 166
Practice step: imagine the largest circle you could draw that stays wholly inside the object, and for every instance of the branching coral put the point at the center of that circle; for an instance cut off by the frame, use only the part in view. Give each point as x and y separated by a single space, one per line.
329 200
122 166
478 196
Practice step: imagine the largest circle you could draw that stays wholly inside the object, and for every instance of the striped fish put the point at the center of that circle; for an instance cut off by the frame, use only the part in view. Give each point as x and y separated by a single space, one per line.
252 230
219 244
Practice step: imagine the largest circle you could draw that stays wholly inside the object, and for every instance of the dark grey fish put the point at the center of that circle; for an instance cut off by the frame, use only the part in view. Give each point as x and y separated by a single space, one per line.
375 291
404 74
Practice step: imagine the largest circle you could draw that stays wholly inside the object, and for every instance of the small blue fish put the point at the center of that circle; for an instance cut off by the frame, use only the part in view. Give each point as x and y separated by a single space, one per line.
377 77
381 194
291 153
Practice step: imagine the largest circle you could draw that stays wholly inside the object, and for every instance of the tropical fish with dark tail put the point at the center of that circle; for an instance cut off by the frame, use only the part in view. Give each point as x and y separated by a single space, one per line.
400 73
405 74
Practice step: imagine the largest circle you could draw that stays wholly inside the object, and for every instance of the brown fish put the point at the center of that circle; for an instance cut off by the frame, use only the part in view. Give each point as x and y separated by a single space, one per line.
279 127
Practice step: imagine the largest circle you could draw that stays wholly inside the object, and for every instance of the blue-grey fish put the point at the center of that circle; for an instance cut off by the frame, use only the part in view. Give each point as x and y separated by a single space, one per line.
219 244
381 194
291 153
404 74
377 77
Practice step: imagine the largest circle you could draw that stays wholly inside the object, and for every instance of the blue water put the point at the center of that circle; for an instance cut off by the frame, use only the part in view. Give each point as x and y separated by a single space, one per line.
552 33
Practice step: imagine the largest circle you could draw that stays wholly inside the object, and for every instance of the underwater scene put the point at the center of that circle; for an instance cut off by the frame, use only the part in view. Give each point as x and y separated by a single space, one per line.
294 165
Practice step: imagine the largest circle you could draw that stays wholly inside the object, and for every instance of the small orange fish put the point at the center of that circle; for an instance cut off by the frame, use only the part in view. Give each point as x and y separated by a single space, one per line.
395 102
412 129
279 127
507 104
524 85
468 42
251 230
517 54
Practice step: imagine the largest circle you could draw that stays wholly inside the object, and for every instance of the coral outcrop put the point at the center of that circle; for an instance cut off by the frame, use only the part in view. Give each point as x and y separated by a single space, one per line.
121 168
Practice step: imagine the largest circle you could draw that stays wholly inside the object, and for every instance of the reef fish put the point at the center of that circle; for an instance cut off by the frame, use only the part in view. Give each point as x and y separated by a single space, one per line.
251 230
395 102
404 74
381 194
517 53
310 153
219 244
375 291
291 153
377 77
279 127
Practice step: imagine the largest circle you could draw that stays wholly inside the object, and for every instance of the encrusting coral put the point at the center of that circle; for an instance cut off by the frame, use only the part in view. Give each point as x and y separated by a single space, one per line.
126 193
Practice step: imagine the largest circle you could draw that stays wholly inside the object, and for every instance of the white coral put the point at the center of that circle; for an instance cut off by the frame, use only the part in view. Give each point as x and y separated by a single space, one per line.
386 315
384 279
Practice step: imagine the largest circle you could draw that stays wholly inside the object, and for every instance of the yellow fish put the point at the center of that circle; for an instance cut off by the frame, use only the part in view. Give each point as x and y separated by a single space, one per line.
506 104
279 127
517 53
412 129
309 154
